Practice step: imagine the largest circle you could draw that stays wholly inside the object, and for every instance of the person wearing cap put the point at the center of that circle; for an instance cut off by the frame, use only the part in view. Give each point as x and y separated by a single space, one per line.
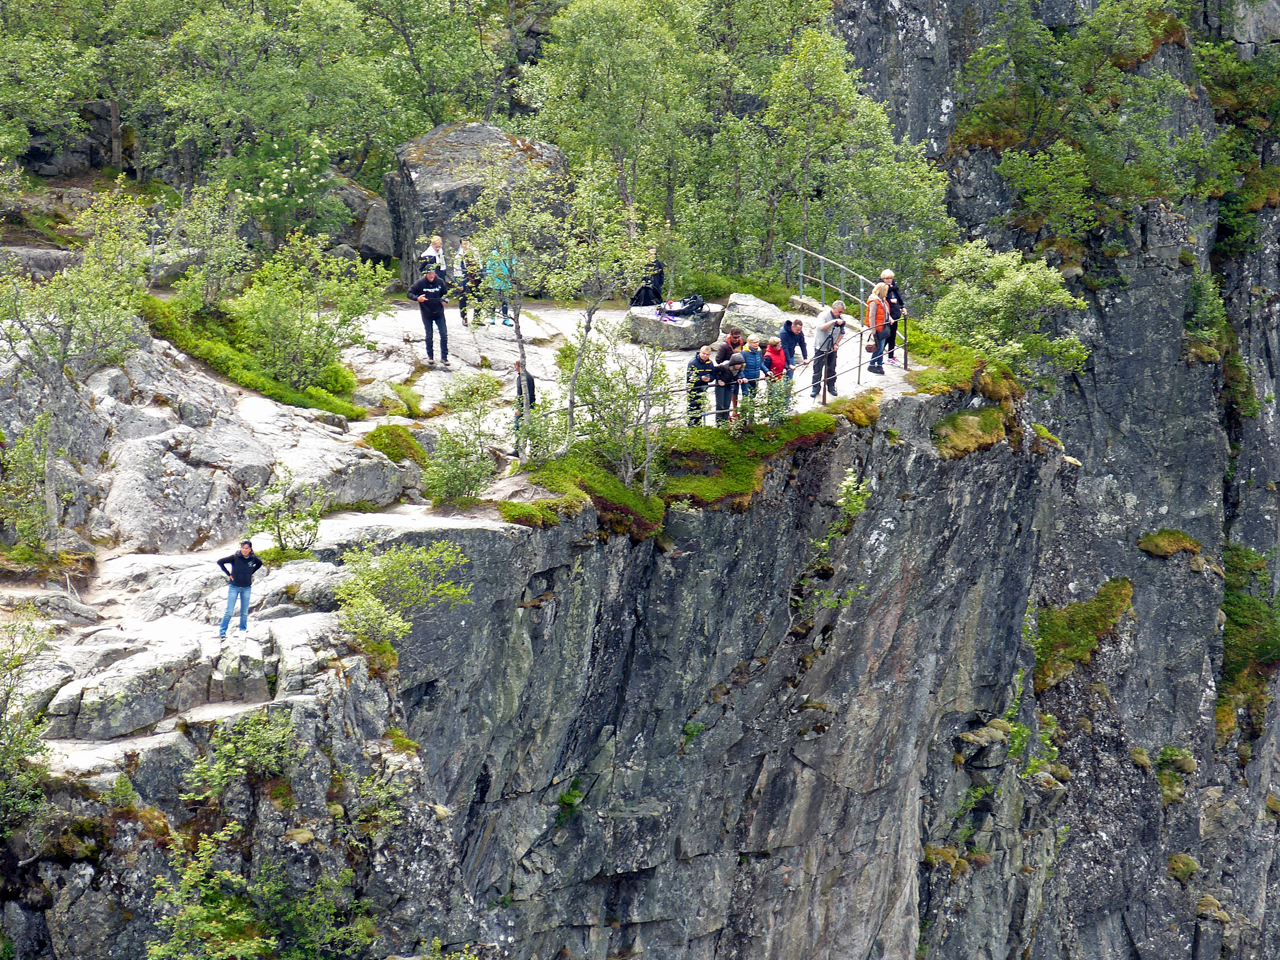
830 324
239 569
897 310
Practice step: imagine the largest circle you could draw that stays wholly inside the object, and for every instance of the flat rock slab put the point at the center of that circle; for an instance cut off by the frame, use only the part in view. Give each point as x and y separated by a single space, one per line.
752 314
684 333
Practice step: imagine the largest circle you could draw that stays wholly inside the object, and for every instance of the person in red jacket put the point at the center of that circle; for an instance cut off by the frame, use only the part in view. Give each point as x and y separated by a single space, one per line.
878 325
775 361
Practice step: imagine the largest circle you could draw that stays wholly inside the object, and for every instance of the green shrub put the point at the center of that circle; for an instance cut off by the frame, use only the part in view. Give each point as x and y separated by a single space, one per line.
386 588
397 443
257 748
400 742
461 464
1250 639
276 556
21 747
409 397
714 286
288 510
22 489
121 796
336 379
1068 636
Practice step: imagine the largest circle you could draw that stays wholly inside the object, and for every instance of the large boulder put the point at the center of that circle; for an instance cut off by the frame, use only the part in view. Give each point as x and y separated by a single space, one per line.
376 240
682 333
753 315
435 182
40 263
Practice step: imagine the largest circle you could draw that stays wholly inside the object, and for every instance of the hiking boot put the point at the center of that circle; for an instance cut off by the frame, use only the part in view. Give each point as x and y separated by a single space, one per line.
444 364
508 322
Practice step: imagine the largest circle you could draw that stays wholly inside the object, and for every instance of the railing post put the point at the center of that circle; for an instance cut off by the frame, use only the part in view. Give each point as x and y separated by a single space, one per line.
822 278
906 364
802 271
861 350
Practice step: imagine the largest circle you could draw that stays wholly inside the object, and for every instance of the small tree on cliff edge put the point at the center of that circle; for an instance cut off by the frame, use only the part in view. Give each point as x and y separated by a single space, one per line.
86 317
516 220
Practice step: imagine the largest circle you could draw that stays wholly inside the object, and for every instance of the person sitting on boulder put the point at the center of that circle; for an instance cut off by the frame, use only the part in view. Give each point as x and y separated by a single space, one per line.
239 569
429 293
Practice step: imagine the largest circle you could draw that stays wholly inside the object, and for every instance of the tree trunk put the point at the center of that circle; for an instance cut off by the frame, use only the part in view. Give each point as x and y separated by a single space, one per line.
516 303
573 381
117 137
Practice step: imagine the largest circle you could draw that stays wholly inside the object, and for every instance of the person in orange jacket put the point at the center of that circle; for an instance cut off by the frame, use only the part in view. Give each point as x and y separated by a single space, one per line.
878 325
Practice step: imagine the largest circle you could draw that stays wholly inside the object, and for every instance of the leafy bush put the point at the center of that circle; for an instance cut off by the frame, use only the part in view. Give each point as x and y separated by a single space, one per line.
257 748
21 747
304 307
288 510
336 379
461 465
387 588
275 556
997 302
22 492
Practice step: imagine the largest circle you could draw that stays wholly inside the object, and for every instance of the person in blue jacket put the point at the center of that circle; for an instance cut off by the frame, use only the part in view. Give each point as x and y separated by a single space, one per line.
754 370
792 336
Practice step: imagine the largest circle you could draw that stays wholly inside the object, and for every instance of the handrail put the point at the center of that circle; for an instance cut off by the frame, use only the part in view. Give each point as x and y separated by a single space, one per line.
834 263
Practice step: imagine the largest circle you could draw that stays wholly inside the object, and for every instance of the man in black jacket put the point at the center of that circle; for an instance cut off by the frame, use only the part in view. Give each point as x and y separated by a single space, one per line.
239 569
524 380
698 375
897 310
429 292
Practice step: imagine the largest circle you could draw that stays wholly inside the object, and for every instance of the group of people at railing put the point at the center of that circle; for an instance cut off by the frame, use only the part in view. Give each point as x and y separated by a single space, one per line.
736 366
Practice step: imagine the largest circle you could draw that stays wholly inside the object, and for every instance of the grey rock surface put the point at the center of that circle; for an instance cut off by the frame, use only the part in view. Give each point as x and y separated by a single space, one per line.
435 182
685 333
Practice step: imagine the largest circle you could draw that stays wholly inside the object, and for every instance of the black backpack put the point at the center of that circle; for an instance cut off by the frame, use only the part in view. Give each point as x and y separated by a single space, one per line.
689 305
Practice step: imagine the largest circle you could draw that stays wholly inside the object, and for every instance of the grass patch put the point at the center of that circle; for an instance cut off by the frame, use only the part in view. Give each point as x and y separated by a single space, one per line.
862 410
968 431
540 513
707 466
1182 866
209 341
1068 636
1165 543
1250 643
409 397
1043 433
397 443
400 741
275 556
580 481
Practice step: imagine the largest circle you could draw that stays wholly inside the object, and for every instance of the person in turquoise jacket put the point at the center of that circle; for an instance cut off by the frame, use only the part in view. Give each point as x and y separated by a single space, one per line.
497 274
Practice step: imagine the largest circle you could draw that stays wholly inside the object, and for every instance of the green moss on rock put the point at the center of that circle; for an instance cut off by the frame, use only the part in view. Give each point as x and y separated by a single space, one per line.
1165 543
397 443
968 431
1068 636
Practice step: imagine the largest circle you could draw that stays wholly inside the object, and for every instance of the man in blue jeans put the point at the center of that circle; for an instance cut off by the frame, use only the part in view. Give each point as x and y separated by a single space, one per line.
243 565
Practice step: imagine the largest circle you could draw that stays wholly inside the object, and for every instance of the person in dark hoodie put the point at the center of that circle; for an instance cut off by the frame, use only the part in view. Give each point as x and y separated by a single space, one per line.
733 343
429 293
239 569
698 375
728 376
897 310
792 336
524 380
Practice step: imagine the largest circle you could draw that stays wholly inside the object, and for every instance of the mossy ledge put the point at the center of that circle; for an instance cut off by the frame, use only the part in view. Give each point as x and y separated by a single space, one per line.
706 467
1165 543
968 431
396 443
1068 636
1250 644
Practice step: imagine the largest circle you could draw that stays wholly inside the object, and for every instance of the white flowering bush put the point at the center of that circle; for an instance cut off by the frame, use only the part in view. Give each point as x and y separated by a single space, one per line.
284 185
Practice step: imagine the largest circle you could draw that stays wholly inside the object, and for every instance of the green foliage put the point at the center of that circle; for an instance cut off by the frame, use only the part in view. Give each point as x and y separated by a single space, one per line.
400 742
1079 124
208 226
1043 433
1182 866
1250 640
540 513
1165 543
121 796
713 286
388 587
709 466
461 464
437 952
288 510
968 431
853 494
284 183
21 747
340 381
408 396
1069 635
998 304
22 488
277 556
257 748
303 307
570 802
690 733
212 342
213 913
580 480
397 443
627 405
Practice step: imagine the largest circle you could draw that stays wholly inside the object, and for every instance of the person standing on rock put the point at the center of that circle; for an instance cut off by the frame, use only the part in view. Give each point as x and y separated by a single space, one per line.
897 310
429 293
467 276
878 325
433 257
524 381
497 273
698 375
239 569
830 324
791 336
728 376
